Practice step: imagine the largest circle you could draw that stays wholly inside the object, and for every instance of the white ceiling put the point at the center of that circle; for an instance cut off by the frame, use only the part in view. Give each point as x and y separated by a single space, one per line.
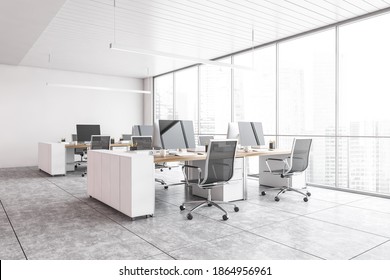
79 35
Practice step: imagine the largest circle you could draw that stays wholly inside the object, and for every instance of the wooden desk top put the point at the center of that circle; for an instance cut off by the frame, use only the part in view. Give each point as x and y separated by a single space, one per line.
202 156
84 146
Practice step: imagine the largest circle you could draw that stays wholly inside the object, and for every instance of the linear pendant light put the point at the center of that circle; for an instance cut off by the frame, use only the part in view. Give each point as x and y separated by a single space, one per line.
177 57
97 88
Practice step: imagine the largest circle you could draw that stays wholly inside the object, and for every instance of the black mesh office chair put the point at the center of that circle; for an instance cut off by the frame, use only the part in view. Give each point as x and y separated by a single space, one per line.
99 142
78 151
218 171
295 164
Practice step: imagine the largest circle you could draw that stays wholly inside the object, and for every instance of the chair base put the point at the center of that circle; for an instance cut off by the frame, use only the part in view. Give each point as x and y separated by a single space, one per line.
208 202
282 190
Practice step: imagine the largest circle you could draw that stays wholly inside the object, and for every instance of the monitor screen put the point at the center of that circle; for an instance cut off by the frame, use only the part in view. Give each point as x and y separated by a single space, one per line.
142 130
251 133
171 134
189 135
232 132
177 134
258 131
142 142
126 137
156 136
85 131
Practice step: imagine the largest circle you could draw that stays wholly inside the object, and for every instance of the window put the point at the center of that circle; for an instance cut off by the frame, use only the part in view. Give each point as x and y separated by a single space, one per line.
163 97
255 91
186 95
215 98
307 85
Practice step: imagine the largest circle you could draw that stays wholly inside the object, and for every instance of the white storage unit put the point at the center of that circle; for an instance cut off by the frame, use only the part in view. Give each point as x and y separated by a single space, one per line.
233 190
52 158
122 180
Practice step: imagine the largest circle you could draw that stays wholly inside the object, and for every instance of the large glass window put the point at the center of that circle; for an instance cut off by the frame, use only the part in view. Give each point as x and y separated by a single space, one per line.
363 110
255 91
215 98
186 95
163 97
297 90
307 85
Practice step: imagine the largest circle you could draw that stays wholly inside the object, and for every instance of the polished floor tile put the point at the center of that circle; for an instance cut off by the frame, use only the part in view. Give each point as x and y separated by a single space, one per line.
174 231
381 252
373 203
356 218
319 238
240 246
54 218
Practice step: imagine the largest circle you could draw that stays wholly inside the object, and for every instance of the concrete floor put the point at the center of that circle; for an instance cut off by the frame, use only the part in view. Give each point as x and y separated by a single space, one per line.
43 217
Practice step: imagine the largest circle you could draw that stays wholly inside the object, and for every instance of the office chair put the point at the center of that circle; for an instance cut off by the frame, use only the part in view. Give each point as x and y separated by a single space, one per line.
126 137
78 151
218 171
99 142
295 164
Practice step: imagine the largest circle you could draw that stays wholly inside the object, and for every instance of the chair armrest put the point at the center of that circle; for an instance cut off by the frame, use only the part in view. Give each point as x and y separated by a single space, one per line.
193 167
286 166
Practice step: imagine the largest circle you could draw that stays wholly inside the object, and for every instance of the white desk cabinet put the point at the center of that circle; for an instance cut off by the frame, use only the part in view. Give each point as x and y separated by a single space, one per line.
124 181
52 158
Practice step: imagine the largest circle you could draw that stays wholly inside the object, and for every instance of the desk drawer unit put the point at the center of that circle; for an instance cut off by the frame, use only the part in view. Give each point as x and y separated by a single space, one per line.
123 181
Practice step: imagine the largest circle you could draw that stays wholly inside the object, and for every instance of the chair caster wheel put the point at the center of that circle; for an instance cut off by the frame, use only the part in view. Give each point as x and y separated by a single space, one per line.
189 216
277 198
169 168
308 194
225 217
182 207
305 199
76 166
82 175
263 193
161 170
209 205
166 187
236 209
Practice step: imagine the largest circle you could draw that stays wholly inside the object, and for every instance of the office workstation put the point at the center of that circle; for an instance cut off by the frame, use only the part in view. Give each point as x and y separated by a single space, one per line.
195 130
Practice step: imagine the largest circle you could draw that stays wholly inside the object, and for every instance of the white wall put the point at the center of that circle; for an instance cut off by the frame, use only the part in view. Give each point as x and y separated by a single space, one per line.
31 111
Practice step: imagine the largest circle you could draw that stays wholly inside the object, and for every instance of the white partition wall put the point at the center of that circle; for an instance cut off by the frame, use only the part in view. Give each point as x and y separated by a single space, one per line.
32 112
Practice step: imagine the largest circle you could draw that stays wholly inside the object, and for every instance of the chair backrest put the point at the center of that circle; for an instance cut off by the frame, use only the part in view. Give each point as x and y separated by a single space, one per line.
300 155
142 142
205 139
126 137
99 142
220 161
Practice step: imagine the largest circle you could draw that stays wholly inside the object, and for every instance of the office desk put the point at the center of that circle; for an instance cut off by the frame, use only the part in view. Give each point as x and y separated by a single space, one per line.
58 158
236 189
125 180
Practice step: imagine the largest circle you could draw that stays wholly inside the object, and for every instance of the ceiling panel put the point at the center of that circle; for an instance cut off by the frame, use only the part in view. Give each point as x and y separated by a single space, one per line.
78 37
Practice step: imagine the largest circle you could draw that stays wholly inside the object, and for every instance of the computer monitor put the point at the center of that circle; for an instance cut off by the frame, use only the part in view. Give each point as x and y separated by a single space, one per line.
142 130
142 142
156 136
251 133
177 134
85 131
233 132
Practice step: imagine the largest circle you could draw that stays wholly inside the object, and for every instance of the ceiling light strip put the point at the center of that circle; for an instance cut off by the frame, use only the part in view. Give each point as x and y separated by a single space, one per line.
178 57
97 88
